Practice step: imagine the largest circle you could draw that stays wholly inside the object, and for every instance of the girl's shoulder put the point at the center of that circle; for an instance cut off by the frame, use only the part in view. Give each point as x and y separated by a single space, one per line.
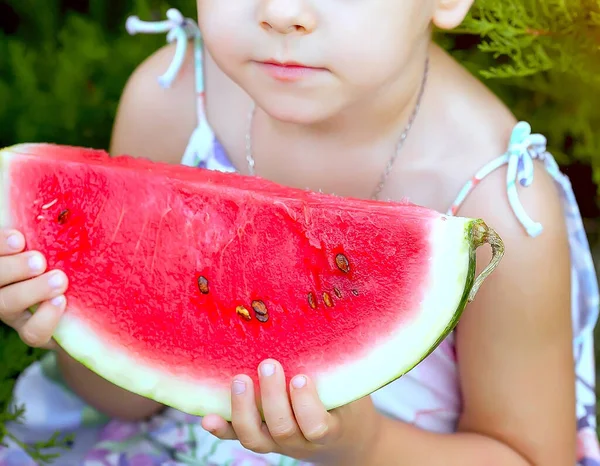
476 132
153 121
157 121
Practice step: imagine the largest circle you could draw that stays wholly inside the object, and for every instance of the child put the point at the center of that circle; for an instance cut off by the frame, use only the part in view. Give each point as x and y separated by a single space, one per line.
370 108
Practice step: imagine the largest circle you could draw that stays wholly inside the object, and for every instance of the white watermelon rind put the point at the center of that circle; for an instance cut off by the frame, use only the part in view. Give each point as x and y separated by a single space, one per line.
450 281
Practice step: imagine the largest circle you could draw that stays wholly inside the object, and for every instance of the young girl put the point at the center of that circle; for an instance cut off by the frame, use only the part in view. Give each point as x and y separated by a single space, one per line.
350 97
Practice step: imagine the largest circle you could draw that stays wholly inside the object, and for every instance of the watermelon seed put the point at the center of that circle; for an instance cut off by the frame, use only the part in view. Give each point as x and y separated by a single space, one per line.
327 300
262 318
342 263
243 312
203 285
63 217
355 292
337 292
259 308
311 300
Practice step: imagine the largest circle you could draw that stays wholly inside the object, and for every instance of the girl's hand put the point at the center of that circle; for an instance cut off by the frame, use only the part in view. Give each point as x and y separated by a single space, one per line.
24 283
297 425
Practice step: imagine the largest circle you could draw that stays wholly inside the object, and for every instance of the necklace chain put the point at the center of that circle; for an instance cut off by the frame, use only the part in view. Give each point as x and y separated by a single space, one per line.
391 161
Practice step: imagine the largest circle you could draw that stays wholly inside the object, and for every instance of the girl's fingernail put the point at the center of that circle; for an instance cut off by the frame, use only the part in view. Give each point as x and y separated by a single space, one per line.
239 387
14 241
56 280
267 369
58 302
299 381
36 263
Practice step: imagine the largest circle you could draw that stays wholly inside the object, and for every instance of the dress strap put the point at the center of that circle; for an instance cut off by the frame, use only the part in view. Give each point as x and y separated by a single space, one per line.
182 30
524 148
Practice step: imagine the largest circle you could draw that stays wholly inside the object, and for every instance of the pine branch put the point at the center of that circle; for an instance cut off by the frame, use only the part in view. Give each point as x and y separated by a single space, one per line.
542 58
538 36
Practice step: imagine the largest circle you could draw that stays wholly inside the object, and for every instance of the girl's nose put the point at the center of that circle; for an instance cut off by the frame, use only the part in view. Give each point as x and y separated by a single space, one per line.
287 16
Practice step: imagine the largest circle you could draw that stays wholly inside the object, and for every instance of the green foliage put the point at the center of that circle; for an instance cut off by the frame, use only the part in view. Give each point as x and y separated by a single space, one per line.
61 75
15 357
542 57
43 452
62 72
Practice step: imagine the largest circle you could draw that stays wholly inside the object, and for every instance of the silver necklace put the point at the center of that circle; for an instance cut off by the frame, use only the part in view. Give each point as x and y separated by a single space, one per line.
390 164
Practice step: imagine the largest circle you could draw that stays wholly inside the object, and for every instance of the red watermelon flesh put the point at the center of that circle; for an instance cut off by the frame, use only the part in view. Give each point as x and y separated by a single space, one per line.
181 278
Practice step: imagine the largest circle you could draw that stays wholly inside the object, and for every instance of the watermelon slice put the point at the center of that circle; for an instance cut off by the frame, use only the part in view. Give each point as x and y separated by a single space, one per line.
181 278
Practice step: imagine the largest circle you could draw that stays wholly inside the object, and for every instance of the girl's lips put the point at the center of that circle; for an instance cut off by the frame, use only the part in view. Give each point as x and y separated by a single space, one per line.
289 71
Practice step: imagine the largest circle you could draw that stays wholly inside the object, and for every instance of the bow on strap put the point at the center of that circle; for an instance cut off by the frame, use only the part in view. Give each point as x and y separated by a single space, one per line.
524 148
178 29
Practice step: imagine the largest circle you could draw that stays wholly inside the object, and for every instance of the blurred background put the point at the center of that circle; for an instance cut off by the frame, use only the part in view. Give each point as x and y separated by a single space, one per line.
63 65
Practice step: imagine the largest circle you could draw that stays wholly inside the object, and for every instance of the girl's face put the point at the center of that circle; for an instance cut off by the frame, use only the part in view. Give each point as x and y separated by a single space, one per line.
344 52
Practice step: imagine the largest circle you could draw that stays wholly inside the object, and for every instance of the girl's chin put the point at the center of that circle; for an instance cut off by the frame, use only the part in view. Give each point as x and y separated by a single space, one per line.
297 109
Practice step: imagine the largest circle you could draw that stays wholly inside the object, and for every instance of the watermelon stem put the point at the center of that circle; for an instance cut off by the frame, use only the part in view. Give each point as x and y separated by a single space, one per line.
482 234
